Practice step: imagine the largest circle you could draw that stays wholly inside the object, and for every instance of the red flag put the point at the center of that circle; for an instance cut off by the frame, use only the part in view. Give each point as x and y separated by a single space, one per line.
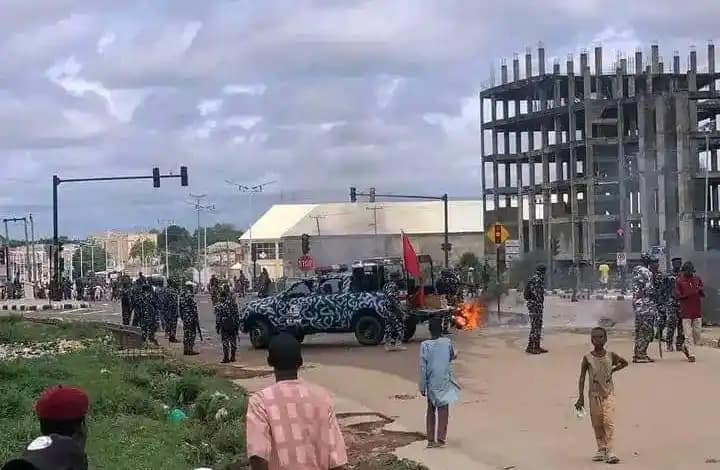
410 257
413 269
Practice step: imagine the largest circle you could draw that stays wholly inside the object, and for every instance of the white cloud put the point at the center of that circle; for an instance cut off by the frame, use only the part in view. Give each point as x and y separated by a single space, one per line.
105 41
240 89
209 106
119 103
386 90
246 122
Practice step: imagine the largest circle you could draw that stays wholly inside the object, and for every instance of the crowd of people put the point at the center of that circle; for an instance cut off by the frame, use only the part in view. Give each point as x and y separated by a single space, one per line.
152 307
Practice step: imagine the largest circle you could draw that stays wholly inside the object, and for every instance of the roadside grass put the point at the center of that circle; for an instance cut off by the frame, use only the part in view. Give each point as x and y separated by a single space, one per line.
131 399
13 329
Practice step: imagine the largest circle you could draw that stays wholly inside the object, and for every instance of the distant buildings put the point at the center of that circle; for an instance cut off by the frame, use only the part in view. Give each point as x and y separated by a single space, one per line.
119 246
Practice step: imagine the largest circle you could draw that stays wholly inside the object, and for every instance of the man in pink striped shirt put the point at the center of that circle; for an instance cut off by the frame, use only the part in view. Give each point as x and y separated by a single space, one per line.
291 425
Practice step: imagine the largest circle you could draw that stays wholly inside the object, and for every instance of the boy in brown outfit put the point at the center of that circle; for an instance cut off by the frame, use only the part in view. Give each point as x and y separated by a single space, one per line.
601 365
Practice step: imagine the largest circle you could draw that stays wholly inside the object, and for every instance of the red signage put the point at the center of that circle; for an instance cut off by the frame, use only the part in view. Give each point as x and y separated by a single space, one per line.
306 263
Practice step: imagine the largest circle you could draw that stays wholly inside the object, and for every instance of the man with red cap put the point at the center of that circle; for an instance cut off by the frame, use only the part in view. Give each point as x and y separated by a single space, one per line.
61 412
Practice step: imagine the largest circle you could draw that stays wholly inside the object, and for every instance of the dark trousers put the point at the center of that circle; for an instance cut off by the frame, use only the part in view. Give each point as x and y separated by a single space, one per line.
189 333
536 323
229 344
437 415
126 311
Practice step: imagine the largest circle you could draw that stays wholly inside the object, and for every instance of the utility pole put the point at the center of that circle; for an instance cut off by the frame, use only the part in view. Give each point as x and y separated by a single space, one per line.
7 254
167 224
198 208
250 190
34 262
375 210
27 246
317 222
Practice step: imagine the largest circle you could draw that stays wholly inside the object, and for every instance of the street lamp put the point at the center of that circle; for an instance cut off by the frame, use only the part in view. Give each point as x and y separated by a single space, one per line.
250 190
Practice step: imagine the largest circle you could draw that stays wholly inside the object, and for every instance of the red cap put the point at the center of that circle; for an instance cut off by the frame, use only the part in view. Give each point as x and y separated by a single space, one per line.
62 404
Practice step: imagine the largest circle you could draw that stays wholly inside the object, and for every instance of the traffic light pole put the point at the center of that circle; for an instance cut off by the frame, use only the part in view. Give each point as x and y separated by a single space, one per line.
156 176
443 198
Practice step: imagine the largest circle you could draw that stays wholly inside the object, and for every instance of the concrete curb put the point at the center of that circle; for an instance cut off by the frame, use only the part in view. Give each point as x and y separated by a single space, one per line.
44 307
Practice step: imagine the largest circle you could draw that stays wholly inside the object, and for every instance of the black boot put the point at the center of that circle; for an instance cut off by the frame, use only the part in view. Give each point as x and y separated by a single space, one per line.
225 355
232 354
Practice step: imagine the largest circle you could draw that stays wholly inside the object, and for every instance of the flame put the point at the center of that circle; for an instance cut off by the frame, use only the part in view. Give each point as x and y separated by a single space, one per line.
469 315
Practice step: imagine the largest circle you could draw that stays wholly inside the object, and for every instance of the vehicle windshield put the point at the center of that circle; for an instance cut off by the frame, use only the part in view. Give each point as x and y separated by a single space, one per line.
300 289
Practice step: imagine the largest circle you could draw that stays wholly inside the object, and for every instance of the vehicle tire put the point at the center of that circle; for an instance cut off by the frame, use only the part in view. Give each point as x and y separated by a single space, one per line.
260 334
410 327
369 330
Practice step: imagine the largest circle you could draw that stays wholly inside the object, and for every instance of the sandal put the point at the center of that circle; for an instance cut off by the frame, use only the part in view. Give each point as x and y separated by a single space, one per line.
642 360
612 459
599 456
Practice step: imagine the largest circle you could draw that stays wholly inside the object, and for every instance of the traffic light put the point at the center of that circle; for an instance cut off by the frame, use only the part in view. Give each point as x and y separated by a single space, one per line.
555 246
183 176
156 177
498 234
372 194
449 247
353 194
305 239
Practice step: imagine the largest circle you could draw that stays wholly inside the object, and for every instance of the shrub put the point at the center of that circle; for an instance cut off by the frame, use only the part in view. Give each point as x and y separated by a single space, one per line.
187 389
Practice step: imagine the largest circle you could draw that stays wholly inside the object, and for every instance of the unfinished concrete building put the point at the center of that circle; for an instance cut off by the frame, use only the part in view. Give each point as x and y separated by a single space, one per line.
618 155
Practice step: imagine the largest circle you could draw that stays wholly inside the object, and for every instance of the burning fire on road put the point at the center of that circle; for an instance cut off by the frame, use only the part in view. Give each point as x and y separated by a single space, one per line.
469 315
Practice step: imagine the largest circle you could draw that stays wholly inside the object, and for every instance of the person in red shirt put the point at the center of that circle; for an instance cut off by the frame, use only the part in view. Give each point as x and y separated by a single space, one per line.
689 291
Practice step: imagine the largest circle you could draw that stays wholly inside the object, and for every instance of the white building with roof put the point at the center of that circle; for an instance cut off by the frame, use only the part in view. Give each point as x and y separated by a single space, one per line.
343 232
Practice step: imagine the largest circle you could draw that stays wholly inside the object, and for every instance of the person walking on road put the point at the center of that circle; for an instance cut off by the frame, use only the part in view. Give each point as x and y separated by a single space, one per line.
535 297
437 383
690 291
227 323
600 365
674 322
644 307
148 310
189 316
264 284
168 297
394 328
291 424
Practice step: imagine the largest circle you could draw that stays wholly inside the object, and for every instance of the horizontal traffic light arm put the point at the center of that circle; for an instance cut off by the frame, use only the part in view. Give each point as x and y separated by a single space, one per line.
403 196
113 178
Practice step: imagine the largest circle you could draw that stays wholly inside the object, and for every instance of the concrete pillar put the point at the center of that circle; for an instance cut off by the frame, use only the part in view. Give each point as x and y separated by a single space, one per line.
528 63
622 177
655 59
572 167
661 153
482 154
494 143
623 66
685 170
638 62
541 60
661 68
503 72
598 60
711 63
585 71
676 62
516 68
647 177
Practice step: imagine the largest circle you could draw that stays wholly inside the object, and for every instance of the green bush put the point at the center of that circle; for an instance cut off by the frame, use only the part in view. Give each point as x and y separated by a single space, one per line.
187 389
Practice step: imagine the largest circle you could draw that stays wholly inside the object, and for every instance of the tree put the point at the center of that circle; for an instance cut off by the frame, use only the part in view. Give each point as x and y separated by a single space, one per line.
180 249
469 260
88 253
142 248
218 233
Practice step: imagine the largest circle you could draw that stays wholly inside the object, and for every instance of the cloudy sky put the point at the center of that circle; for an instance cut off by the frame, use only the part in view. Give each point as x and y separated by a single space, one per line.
316 95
